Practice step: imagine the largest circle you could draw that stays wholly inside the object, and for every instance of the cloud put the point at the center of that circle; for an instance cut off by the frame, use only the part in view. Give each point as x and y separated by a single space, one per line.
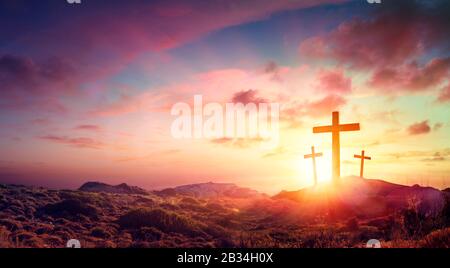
411 76
90 53
293 112
278 152
419 128
437 126
248 96
421 154
394 34
437 157
89 127
325 105
444 96
27 84
334 81
391 45
151 156
241 143
22 73
79 142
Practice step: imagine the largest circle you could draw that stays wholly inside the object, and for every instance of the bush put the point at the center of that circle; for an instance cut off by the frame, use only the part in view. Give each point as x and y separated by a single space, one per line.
352 224
160 219
437 239
100 233
11 225
189 200
69 209
446 211
5 238
148 234
413 222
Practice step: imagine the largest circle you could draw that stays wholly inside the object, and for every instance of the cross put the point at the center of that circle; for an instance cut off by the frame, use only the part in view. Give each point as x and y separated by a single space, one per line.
313 155
362 156
335 130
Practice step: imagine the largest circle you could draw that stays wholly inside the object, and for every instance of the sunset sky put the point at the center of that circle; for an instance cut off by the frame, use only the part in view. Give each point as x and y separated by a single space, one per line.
86 89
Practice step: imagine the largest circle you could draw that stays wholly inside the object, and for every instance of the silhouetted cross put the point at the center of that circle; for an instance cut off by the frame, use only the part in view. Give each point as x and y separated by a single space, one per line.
335 129
313 155
362 156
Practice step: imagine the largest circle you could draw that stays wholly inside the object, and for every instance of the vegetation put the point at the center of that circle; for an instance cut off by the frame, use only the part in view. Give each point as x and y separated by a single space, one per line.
42 218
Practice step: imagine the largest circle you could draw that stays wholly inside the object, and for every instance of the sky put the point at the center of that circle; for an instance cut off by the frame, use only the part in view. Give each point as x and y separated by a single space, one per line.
86 89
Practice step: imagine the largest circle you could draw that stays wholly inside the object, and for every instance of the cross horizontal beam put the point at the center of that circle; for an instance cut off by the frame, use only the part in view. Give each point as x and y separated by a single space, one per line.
343 127
365 157
313 155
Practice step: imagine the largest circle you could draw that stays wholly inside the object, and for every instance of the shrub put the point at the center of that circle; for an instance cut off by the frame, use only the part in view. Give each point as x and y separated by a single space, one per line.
80 196
215 207
446 211
437 239
413 222
26 239
100 232
11 225
5 238
69 209
148 234
189 200
158 218
352 224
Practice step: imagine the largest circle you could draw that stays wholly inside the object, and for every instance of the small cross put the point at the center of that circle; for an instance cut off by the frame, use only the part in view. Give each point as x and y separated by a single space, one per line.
313 155
362 156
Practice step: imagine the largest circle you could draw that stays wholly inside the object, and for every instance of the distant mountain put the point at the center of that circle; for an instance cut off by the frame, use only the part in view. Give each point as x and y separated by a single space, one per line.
210 189
355 196
116 189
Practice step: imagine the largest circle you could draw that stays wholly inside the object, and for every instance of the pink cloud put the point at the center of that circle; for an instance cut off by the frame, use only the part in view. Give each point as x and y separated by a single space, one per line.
248 96
390 43
90 52
293 112
334 81
89 127
241 143
419 128
444 96
411 77
401 31
79 142
325 105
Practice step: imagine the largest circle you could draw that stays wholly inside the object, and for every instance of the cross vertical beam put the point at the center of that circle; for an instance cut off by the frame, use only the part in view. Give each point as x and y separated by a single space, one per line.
336 148
335 130
313 155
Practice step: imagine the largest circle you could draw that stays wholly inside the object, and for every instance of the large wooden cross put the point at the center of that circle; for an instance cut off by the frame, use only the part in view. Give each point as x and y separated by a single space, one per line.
335 130
313 155
362 156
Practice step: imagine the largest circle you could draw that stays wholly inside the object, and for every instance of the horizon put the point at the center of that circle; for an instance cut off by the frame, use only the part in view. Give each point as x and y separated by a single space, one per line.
269 193
80 104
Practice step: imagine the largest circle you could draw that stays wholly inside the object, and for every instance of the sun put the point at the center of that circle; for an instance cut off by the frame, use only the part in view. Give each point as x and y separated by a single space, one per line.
323 166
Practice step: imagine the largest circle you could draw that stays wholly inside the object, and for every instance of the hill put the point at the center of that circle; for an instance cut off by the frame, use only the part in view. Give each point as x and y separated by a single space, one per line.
212 190
97 187
225 215
365 198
